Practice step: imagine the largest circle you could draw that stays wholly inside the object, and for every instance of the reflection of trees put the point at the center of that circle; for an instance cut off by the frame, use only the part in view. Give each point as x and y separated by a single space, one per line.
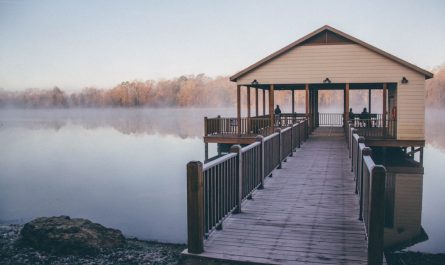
434 128
185 123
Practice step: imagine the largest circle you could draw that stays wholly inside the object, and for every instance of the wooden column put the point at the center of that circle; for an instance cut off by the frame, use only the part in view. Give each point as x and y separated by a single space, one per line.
271 105
306 88
248 102
293 101
195 207
256 101
264 102
384 96
238 108
346 104
248 109
369 101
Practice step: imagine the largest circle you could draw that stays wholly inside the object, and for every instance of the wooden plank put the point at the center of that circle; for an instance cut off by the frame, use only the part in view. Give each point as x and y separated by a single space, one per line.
306 214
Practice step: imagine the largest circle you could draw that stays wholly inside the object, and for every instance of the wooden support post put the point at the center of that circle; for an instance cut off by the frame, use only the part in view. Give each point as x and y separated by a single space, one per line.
205 126
264 102
369 100
376 215
195 207
206 151
306 88
384 96
260 139
248 101
238 109
346 104
293 102
280 144
256 101
248 110
421 156
271 106
316 116
239 183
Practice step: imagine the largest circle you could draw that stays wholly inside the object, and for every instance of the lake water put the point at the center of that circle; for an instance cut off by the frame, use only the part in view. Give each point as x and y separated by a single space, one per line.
125 168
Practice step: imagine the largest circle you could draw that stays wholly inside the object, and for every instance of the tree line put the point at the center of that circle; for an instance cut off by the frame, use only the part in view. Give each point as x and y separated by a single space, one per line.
185 91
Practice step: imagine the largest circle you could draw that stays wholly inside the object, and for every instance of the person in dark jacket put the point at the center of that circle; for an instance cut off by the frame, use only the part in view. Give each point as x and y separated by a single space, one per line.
364 116
278 115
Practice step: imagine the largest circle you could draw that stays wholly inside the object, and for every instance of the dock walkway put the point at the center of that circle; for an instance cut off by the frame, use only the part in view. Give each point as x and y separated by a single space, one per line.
306 214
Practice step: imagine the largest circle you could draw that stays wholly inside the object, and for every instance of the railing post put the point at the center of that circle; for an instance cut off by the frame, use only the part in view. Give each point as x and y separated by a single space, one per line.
376 215
260 139
239 184
195 207
206 126
360 140
292 140
280 145
219 124
365 152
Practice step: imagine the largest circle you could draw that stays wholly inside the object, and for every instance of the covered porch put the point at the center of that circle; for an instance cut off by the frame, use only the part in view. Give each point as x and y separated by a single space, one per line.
256 115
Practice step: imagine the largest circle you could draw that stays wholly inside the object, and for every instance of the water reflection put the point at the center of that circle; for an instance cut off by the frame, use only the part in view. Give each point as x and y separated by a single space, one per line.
122 168
403 215
184 123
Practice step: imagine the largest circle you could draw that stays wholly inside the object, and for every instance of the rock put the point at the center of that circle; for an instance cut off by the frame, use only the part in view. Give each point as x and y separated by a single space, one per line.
65 235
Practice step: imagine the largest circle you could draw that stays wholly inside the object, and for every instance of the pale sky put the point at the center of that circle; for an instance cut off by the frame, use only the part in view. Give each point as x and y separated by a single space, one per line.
73 44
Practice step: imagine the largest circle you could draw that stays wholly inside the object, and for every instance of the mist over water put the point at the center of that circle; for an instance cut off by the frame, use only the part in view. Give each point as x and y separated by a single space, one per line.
126 168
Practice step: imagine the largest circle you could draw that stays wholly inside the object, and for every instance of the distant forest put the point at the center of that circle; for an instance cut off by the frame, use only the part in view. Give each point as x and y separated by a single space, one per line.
185 91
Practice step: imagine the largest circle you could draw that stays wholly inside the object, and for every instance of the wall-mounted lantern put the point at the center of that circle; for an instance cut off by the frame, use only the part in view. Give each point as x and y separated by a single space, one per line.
327 81
254 83
404 80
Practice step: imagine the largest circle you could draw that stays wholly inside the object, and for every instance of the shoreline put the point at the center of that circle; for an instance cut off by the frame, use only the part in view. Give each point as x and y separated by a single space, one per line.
135 251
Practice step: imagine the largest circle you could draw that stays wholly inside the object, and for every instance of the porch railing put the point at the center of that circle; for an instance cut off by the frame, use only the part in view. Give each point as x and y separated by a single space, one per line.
217 189
329 119
221 126
375 127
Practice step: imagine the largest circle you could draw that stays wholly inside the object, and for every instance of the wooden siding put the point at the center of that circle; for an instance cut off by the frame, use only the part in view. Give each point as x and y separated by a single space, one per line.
349 63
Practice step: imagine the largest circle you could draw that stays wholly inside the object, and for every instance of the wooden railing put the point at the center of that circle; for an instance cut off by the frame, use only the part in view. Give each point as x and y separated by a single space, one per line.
217 189
329 119
370 182
376 128
221 126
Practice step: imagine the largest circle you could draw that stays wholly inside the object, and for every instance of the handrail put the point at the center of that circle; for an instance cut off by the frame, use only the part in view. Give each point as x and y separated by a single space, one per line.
217 189
217 161
250 146
370 187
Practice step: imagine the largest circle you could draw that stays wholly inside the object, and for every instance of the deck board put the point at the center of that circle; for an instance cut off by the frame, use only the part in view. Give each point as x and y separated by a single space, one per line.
306 214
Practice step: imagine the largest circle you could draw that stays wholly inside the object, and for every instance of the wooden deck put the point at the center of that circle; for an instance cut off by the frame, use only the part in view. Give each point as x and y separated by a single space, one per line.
306 214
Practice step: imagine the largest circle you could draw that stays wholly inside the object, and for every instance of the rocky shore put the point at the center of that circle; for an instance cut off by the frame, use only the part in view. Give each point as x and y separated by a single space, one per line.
132 252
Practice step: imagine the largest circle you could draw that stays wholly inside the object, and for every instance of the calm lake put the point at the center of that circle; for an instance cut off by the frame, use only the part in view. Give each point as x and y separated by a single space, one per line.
125 168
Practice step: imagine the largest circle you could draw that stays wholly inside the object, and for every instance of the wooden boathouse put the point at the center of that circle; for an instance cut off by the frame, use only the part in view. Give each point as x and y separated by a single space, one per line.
325 203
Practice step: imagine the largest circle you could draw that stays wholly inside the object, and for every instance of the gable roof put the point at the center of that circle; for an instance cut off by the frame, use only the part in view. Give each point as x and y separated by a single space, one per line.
345 37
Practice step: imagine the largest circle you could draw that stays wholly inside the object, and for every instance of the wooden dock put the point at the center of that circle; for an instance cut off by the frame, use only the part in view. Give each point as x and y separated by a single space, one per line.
307 212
